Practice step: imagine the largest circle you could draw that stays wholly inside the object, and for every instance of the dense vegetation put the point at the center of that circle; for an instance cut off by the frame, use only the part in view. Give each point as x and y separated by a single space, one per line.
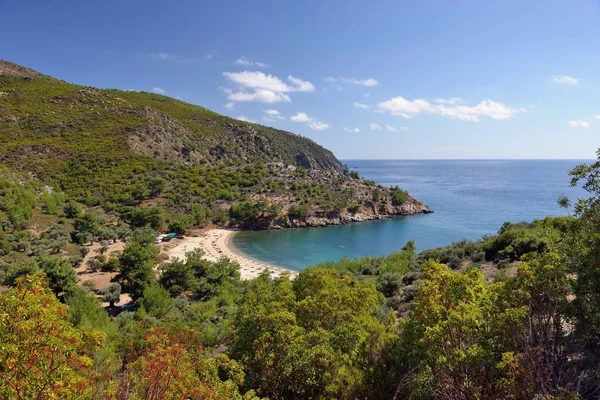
511 316
123 149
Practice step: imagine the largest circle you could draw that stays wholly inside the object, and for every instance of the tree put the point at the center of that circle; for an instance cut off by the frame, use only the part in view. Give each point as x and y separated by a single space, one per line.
172 366
200 214
444 337
88 315
177 277
41 354
144 236
155 301
137 267
315 338
211 277
399 196
389 283
57 238
581 255
138 217
540 338
180 225
112 294
85 227
564 202
60 274
71 209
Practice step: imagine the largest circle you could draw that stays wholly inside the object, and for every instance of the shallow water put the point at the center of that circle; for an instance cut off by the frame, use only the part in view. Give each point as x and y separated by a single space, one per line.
471 198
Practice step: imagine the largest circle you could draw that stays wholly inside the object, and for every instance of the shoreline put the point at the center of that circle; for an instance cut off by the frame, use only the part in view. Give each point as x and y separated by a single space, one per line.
215 243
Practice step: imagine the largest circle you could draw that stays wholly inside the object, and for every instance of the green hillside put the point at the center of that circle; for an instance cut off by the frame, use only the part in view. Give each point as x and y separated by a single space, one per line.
118 148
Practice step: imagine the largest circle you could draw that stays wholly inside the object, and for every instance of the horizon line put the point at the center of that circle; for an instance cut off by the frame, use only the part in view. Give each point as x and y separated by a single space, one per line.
467 159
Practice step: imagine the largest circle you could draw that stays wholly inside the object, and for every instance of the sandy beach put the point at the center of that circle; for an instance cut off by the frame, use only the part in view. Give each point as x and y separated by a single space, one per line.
214 242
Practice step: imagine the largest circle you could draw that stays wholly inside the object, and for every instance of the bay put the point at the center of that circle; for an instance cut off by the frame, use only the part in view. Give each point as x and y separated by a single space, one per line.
471 198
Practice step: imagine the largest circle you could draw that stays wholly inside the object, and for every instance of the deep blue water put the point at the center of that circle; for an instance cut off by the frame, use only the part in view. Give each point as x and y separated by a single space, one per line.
470 198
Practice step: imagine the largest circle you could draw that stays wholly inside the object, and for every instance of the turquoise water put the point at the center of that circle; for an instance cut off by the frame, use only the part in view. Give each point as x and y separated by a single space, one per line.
470 199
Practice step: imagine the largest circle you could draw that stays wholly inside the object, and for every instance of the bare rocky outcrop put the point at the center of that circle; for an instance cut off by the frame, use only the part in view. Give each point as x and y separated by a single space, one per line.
8 68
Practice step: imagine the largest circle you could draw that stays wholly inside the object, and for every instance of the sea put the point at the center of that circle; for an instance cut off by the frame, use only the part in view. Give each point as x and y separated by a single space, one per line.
470 199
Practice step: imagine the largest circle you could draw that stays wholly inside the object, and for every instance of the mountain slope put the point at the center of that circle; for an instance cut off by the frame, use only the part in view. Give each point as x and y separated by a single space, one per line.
123 148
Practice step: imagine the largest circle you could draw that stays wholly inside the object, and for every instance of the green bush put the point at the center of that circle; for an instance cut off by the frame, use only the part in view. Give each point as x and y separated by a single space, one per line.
354 208
399 196
299 211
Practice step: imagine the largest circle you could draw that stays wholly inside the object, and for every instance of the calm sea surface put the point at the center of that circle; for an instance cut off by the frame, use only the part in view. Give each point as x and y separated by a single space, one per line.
470 199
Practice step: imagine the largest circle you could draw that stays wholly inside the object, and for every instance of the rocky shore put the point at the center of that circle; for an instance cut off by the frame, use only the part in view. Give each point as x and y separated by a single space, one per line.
368 212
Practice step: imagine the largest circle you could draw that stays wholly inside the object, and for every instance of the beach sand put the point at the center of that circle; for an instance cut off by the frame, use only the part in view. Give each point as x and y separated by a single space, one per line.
214 242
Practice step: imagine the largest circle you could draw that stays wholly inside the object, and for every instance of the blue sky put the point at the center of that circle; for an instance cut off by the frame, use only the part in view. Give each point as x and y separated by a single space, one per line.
366 79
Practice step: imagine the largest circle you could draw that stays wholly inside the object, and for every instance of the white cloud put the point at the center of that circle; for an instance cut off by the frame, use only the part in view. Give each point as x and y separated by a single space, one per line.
272 115
162 56
300 117
597 116
352 130
229 105
311 122
394 129
360 105
375 127
400 106
369 82
318 126
579 124
565 79
159 90
301 85
209 56
261 96
258 80
245 119
450 101
266 88
366 95
244 61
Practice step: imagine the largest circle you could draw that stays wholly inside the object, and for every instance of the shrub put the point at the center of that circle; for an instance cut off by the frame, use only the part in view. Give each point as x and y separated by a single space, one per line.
300 211
399 196
354 208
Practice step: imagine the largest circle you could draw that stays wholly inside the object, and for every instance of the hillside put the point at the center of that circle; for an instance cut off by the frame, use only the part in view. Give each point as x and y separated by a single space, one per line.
118 148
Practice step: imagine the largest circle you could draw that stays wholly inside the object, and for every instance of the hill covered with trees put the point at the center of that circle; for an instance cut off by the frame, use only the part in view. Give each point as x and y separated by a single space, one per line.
122 149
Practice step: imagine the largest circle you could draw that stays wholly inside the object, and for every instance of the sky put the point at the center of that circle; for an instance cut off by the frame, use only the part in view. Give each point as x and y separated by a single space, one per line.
366 79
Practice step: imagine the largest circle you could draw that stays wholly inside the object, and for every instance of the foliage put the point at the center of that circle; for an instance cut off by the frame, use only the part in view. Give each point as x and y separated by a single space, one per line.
282 330
59 273
399 196
298 211
169 365
42 355
85 228
112 294
137 266
155 302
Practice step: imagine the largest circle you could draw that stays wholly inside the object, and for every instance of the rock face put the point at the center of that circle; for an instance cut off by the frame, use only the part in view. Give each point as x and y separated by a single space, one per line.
368 212
8 68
